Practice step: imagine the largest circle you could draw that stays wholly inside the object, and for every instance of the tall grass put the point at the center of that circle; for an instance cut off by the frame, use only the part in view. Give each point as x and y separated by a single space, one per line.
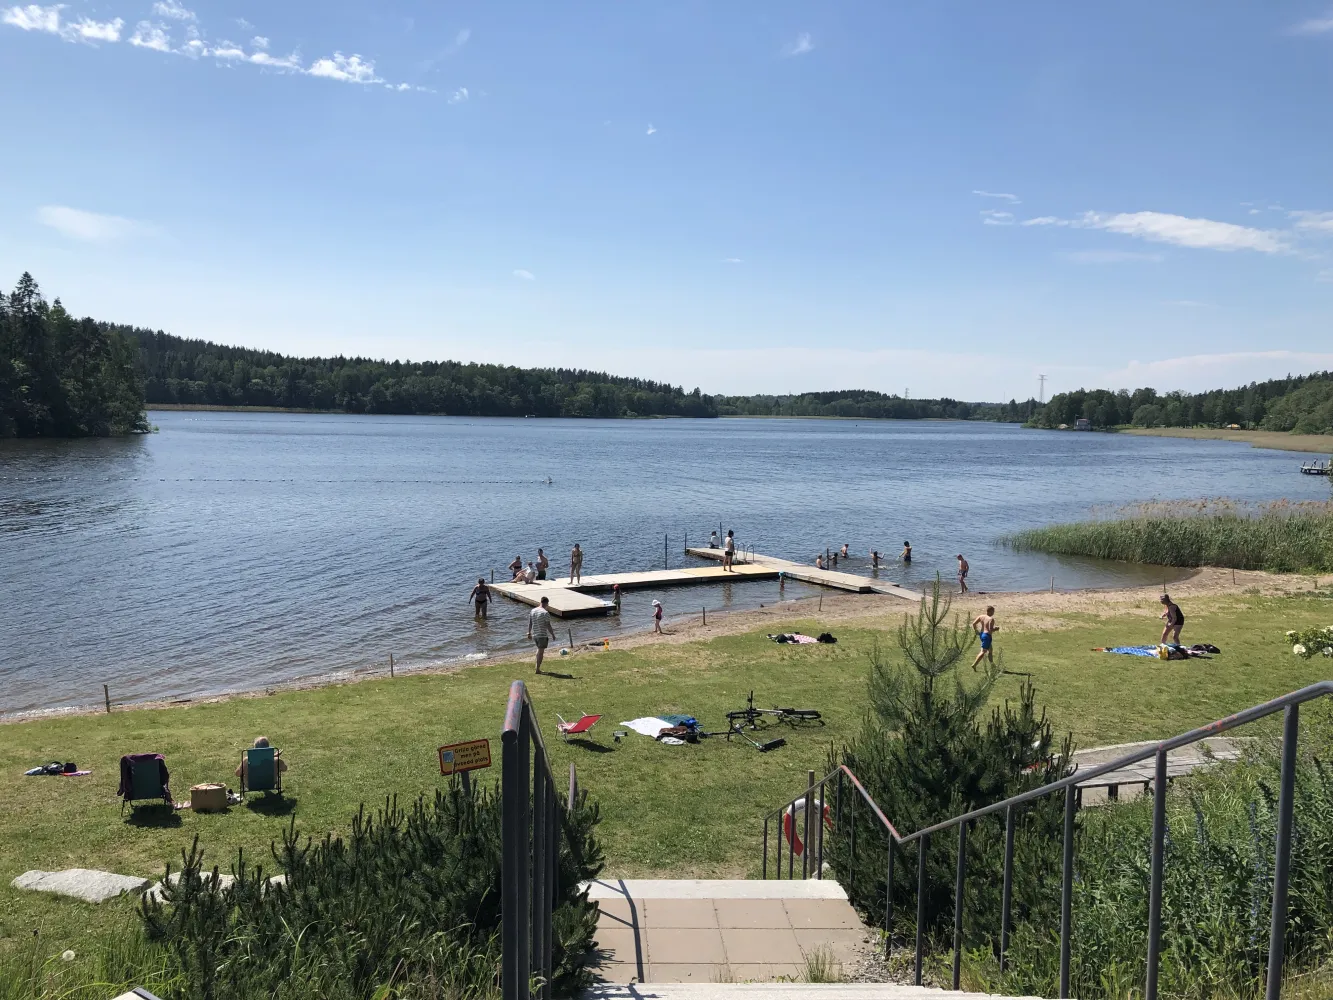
1281 537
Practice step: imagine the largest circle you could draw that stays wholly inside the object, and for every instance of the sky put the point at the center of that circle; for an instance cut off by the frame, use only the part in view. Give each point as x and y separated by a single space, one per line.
928 199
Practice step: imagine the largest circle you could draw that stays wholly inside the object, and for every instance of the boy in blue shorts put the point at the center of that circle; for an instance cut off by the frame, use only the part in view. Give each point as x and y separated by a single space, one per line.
985 627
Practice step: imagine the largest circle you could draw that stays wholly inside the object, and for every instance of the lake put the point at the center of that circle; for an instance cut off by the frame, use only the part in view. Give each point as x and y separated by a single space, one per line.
230 551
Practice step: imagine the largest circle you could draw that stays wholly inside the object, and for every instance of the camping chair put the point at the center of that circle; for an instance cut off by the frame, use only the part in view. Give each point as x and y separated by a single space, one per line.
142 777
261 770
568 729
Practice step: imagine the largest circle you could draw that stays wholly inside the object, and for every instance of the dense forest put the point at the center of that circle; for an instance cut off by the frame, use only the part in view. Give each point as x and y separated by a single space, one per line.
867 404
1302 404
61 376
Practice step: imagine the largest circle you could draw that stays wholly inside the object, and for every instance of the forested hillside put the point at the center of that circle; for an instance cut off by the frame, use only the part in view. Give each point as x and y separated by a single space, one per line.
1302 404
176 370
61 376
866 404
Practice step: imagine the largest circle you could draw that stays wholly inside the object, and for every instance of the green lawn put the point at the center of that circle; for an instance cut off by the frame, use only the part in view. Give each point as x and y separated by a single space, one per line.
677 811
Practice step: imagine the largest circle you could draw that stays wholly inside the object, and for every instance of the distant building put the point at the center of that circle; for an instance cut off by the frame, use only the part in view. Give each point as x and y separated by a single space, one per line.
1082 424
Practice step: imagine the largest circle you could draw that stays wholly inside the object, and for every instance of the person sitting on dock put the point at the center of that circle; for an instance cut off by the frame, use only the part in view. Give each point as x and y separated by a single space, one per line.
906 554
480 598
529 574
576 564
713 542
728 550
516 569
540 630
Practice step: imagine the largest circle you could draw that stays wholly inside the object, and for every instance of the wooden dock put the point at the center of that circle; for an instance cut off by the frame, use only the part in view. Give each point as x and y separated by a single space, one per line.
566 601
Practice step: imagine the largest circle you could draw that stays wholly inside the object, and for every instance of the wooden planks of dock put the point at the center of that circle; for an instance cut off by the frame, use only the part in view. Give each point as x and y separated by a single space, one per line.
573 600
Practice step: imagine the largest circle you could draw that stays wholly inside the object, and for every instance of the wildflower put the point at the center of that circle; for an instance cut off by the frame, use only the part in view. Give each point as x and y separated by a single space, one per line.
1298 649
1291 633
67 955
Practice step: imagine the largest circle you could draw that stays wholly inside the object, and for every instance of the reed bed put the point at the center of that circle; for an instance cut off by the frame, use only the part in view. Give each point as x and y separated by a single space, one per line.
1280 537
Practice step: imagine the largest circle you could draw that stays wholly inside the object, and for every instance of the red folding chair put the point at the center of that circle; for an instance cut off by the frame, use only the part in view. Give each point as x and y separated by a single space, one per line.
568 729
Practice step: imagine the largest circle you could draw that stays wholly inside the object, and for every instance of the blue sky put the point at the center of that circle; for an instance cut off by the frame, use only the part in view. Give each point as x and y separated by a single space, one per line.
946 197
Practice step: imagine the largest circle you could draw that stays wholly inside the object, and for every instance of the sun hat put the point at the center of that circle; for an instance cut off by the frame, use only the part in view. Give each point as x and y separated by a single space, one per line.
658 603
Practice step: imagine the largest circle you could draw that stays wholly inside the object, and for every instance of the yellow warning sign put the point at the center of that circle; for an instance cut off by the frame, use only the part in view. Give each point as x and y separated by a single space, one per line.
470 756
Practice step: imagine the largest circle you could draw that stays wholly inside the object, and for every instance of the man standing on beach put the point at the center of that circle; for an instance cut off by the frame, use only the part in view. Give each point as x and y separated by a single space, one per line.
543 564
728 550
576 564
985 627
540 630
962 574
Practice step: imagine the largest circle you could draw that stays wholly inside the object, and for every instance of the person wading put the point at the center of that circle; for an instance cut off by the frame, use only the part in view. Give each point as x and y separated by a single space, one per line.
480 598
906 554
540 630
1174 618
985 627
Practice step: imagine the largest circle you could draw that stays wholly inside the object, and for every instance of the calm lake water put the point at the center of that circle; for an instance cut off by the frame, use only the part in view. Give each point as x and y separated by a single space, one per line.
234 550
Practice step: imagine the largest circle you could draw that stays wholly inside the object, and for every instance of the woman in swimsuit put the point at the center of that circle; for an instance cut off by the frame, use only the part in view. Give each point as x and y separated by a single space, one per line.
480 597
1174 618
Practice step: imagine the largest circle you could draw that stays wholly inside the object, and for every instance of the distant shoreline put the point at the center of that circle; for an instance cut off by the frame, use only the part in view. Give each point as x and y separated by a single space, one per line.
1274 440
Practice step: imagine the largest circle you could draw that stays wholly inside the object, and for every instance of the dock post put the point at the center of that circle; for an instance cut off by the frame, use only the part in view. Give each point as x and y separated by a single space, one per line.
666 540
1052 585
571 639
705 615
391 664
106 696
492 576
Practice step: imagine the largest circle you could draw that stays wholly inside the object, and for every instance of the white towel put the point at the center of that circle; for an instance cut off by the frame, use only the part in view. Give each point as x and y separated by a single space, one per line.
647 726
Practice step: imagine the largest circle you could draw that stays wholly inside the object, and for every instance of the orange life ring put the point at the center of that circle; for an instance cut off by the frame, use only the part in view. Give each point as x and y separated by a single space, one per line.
791 829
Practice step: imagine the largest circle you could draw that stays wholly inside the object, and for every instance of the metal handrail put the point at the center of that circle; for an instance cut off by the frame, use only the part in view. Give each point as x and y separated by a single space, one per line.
816 791
530 837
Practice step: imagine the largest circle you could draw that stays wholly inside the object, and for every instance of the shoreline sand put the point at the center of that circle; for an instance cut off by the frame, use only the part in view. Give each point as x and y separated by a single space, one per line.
1019 610
1319 444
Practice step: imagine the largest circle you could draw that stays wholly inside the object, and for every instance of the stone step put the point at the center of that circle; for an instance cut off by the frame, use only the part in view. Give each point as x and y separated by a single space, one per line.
778 991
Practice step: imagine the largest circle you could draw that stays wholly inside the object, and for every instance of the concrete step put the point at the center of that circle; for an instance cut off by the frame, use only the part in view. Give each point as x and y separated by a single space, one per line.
778 991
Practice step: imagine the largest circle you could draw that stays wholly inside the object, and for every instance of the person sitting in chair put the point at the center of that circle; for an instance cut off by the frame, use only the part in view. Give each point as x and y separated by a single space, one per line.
260 743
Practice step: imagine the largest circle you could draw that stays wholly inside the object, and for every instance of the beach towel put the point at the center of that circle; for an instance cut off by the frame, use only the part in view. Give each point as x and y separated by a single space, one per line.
1148 651
649 725
1169 651
793 637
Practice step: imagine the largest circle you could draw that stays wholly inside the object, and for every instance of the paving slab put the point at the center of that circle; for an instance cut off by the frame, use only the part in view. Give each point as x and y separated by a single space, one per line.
776 991
88 884
632 888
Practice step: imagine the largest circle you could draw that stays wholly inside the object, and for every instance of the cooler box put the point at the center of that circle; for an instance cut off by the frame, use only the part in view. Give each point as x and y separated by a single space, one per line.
205 798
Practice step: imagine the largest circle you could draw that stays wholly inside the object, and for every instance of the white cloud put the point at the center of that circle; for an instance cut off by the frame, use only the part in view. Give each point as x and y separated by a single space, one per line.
525 275
651 129
800 47
259 42
33 18
458 96
1207 371
227 52
1317 221
47 19
151 36
1315 25
288 62
461 38
732 260
1110 256
348 69
995 217
1011 198
1163 227
92 227
173 9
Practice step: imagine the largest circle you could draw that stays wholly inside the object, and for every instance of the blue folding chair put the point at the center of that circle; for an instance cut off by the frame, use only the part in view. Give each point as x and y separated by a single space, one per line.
261 770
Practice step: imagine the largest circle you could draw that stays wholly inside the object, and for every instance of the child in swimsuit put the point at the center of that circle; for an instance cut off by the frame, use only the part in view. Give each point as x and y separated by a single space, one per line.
986 628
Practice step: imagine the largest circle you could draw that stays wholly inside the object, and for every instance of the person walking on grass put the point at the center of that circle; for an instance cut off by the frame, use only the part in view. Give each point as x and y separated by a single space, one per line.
543 564
985 628
480 598
540 630
1174 618
576 564
729 550
962 574
657 617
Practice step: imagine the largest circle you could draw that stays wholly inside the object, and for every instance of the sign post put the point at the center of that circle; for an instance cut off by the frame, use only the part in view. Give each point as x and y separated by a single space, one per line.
463 758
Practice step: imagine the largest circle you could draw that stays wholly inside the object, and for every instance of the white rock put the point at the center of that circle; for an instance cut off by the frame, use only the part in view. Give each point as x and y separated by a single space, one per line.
87 884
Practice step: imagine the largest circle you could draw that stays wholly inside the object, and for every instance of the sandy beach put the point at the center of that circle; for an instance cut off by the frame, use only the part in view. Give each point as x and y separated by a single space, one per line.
1321 444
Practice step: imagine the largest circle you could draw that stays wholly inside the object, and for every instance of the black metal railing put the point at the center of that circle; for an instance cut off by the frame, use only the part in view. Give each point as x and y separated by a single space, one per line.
530 824
807 831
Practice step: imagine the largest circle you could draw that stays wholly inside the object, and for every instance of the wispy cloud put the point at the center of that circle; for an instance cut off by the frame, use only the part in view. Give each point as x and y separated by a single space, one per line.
174 10
1319 222
156 36
348 69
1011 198
461 38
1163 227
803 44
1188 303
91 227
996 217
651 129
458 96
1315 25
47 20
1110 256
732 260
525 275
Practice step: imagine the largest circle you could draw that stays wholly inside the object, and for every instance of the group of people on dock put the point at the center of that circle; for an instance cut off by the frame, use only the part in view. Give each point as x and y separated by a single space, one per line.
537 570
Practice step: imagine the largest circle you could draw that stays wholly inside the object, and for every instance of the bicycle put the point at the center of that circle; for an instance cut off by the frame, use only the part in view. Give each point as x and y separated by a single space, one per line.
751 717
